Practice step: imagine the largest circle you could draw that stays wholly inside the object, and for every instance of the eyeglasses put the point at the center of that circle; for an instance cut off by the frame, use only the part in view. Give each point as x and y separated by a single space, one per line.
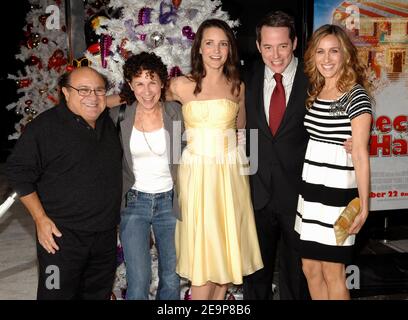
84 92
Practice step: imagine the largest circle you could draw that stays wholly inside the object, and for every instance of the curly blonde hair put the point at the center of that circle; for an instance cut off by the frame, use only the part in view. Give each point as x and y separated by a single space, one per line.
352 70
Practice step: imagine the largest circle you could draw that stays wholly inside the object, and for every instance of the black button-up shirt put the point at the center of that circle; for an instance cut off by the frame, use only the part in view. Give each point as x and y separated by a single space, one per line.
75 169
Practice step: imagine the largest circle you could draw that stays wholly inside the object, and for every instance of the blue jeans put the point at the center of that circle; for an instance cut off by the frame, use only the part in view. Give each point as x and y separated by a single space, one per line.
144 210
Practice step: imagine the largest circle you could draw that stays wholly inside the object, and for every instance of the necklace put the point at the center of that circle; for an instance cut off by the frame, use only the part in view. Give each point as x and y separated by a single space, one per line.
147 142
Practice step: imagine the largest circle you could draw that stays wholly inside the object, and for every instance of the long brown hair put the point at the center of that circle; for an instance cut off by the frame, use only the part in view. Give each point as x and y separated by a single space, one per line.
352 70
230 68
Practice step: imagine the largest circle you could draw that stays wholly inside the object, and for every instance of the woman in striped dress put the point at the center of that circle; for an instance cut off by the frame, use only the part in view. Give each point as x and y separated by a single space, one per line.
338 107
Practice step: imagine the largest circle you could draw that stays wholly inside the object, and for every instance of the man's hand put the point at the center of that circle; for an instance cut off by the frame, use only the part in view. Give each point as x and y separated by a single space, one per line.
46 229
348 145
44 225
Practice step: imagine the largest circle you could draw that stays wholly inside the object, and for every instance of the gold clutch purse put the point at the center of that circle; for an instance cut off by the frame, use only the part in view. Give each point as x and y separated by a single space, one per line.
345 220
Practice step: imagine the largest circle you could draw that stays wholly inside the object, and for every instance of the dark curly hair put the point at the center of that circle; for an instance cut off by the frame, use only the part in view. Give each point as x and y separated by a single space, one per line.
135 65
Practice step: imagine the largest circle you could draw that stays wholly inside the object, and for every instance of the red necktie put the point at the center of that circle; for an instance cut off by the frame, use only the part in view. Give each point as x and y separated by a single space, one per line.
277 104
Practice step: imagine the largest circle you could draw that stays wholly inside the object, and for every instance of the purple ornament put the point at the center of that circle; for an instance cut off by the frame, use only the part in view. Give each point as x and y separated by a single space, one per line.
105 44
144 16
191 36
186 31
175 72
143 36
129 25
169 16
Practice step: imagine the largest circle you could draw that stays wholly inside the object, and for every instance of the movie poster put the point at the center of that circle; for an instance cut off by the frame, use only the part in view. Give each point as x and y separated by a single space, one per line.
379 29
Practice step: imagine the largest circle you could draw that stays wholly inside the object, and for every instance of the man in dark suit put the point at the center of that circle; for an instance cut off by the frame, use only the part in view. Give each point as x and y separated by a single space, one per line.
275 105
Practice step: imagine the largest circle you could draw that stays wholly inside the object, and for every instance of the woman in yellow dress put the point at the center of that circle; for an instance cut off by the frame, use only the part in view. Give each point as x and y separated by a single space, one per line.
216 241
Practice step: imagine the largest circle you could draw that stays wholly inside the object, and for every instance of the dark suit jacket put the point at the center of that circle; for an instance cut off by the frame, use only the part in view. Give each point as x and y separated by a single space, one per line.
280 157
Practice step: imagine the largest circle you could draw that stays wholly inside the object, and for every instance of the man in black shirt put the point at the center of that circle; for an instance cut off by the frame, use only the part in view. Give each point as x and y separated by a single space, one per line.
66 168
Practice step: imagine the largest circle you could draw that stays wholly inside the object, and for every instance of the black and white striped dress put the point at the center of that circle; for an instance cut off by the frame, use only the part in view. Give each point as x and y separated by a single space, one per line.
329 181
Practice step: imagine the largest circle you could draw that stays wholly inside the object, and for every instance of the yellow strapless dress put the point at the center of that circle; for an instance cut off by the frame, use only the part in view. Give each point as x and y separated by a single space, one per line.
216 239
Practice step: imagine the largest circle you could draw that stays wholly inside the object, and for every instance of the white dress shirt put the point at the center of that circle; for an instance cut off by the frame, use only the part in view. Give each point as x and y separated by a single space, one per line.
287 81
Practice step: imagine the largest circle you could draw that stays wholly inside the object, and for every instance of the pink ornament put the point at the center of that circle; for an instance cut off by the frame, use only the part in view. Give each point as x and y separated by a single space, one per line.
191 36
106 42
186 31
175 72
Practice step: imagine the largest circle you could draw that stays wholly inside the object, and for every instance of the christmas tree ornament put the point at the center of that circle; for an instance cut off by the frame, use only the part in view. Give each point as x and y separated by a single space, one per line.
98 21
57 60
24 83
123 51
35 39
43 19
144 16
52 99
105 43
34 60
130 28
29 27
175 72
97 4
69 67
94 48
81 62
28 102
29 44
156 39
167 13
42 90
27 110
176 3
187 31
44 40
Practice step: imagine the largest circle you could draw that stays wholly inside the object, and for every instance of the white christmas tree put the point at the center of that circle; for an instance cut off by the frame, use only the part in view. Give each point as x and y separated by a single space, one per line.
165 27
44 53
